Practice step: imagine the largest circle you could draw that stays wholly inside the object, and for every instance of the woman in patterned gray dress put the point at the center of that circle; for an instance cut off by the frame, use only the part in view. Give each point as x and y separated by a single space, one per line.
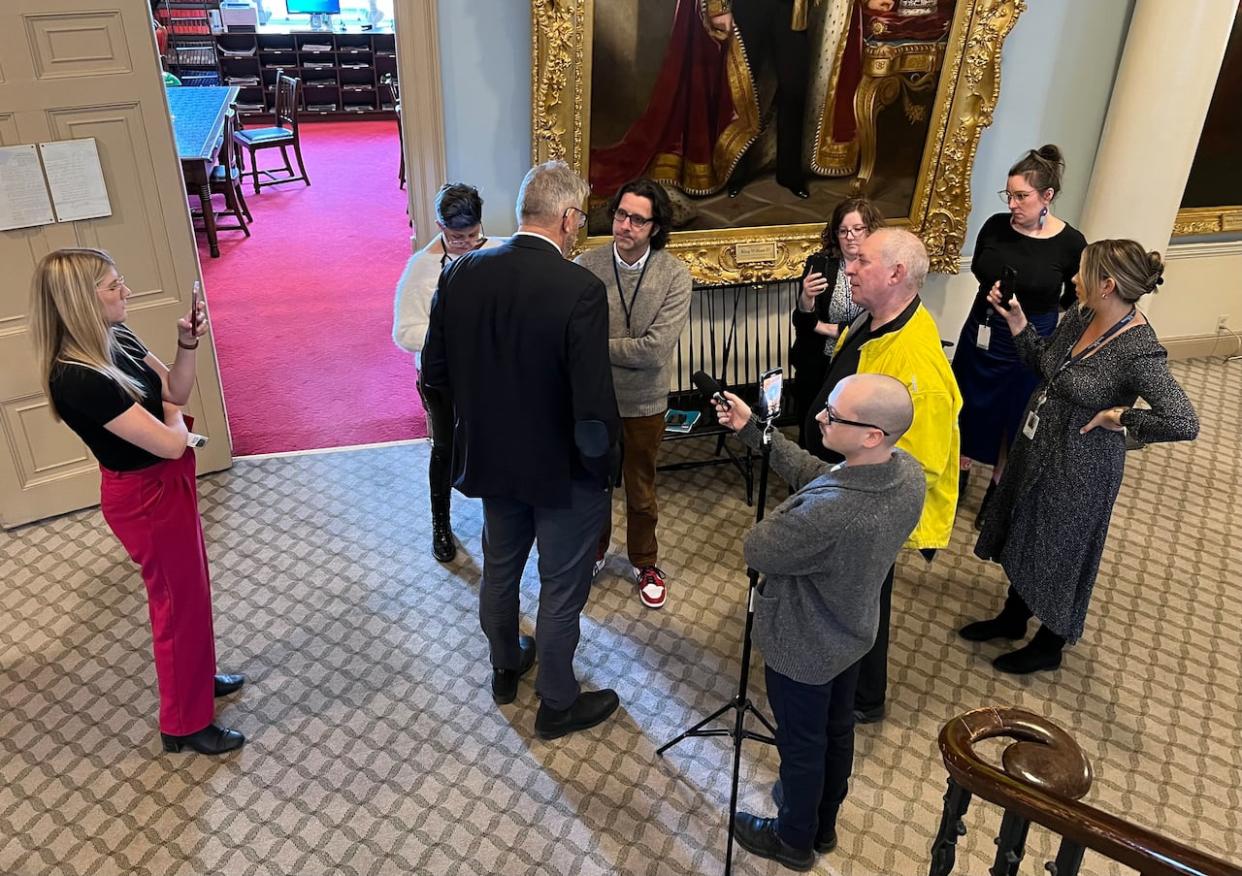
1049 519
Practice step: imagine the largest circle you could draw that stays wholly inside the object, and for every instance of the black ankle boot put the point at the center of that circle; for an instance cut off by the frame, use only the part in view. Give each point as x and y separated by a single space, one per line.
443 548
983 506
1042 652
1009 624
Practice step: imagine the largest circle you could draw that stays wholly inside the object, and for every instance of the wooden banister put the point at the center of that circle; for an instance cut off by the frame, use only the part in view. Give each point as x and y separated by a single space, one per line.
1042 776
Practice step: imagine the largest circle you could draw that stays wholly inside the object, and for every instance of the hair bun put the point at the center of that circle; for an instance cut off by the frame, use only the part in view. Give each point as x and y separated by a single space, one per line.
1051 153
1155 265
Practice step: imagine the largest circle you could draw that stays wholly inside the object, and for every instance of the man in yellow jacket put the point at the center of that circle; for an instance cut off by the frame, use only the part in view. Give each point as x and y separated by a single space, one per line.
898 337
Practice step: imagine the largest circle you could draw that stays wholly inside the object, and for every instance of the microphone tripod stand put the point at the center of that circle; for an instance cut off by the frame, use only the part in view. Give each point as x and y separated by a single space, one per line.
740 704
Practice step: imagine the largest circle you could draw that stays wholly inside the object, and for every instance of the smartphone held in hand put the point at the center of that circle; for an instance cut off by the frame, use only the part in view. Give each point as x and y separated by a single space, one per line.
196 299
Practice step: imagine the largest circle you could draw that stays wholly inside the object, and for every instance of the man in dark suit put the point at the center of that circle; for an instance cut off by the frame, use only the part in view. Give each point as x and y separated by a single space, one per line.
518 337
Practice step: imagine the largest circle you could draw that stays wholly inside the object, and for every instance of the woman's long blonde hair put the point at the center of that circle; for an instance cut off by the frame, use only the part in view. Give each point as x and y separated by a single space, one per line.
67 320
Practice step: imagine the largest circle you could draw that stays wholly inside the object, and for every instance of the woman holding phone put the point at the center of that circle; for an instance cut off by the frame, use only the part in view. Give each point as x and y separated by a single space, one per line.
1049 521
1030 254
125 404
826 303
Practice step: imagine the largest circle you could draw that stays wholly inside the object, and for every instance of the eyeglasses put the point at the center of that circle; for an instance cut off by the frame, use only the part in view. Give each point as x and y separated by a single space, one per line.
854 231
833 418
461 239
623 216
582 216
115 285
1006 196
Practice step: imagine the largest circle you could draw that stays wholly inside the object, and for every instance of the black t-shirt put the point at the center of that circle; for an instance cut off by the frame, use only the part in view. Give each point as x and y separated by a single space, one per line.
845 363
1045 265
87 400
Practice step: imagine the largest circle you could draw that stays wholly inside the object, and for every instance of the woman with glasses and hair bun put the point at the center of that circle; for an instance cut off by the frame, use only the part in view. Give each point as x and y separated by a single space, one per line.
459 216
125 404
1049 519
826 302
1037 253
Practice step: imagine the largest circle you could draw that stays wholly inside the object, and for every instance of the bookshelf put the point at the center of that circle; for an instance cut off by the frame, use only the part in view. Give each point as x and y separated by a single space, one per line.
341 72
191 53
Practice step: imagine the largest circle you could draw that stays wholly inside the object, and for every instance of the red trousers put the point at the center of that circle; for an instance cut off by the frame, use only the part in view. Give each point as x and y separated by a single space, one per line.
154 513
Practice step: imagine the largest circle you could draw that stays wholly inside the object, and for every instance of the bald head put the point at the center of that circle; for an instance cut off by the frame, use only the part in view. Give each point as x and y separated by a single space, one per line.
896 246
878 399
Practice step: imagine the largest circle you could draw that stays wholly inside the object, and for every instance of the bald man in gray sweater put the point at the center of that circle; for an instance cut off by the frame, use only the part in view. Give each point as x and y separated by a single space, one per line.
648 304
824 553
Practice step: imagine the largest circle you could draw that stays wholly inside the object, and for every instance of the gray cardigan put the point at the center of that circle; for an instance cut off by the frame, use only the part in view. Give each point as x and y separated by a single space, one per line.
824 553
642 352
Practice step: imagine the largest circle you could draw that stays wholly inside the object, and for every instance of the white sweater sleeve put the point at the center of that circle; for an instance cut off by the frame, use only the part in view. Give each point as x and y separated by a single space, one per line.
412 306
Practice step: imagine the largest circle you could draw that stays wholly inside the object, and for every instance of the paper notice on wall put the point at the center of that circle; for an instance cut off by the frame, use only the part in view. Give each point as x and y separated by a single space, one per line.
24 200
76 179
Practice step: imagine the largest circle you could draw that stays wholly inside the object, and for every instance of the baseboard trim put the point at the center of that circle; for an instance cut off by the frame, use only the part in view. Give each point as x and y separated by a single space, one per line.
1199 346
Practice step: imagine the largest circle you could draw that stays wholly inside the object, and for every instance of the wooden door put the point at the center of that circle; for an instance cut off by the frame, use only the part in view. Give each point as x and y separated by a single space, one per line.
84 68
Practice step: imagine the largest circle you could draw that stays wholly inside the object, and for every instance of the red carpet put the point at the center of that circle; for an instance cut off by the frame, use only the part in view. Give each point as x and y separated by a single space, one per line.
302 309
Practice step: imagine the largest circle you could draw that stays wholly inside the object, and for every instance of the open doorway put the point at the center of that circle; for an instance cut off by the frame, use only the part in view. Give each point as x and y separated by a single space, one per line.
301 305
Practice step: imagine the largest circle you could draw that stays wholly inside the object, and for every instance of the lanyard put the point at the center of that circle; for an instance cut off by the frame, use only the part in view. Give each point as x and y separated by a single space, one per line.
1071 359
627 309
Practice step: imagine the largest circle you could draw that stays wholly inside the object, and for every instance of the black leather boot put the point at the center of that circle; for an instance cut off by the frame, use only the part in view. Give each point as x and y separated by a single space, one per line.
443 548
1042 652
1009 624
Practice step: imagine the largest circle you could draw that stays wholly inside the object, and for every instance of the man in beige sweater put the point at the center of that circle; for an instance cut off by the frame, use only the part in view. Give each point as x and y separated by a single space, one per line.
648 305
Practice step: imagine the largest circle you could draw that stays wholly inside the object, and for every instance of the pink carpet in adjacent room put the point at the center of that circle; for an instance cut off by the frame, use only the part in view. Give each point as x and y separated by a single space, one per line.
302 309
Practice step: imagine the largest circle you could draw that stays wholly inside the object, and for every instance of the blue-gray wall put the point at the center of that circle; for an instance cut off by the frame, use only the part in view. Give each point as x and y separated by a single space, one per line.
1057 73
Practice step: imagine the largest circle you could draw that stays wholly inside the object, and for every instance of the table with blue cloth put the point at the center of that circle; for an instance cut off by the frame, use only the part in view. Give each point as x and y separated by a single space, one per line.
198 115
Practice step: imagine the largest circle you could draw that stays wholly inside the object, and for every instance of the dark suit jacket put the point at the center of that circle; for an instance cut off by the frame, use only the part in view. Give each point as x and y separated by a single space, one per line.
518 336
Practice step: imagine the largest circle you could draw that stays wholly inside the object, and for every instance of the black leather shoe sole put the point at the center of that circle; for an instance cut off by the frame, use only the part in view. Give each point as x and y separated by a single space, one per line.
505 681
210 740
587 711
227 684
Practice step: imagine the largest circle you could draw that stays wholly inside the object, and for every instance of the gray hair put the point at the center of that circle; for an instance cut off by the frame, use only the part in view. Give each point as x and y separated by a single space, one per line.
548 190
900 247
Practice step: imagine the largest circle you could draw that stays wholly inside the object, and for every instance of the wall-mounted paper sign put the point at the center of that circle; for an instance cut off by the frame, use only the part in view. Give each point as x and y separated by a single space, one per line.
24 200
75 179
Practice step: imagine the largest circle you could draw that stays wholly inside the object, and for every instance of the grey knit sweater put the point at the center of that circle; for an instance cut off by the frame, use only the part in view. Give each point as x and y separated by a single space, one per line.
824 553
642 351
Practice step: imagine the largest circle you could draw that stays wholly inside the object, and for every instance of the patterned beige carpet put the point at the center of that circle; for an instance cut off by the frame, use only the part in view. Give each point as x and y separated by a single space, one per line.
375 748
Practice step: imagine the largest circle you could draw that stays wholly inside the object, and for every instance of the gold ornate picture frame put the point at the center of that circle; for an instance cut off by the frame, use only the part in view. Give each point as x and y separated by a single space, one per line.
969 84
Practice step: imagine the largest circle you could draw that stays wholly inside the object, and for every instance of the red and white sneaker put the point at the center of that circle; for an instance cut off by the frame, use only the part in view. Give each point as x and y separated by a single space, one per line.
651 587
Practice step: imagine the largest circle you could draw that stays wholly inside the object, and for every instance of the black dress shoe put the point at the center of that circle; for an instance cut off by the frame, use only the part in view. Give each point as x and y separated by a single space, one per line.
505 681
735 188
759 837
799 192
825 840
588 710
873 715
210 740
227 684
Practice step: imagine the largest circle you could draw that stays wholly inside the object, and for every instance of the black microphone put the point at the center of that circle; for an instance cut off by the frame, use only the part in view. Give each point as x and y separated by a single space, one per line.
707 385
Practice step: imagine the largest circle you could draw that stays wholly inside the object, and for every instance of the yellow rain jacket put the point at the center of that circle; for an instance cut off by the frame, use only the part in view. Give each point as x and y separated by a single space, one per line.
913 355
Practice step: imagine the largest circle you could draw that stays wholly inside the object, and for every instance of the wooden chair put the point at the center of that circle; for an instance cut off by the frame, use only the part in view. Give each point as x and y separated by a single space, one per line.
394 89
226 180
284 135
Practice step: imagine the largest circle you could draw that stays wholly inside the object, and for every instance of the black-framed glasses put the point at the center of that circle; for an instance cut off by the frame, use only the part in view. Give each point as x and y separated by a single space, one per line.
852 231
834 418
582 216
639 222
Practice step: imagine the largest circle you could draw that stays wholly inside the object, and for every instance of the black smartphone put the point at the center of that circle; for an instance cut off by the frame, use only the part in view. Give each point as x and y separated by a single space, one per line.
817 264
1008 283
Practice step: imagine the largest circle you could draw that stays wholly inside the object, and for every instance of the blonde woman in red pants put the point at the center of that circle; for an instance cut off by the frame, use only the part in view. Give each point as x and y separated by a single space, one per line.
125 404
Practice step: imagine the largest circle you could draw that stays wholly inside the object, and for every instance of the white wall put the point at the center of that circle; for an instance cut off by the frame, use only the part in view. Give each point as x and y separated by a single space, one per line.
1057 71
485 75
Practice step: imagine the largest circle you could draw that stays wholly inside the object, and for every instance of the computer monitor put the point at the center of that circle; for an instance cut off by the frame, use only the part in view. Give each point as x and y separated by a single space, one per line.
313 7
